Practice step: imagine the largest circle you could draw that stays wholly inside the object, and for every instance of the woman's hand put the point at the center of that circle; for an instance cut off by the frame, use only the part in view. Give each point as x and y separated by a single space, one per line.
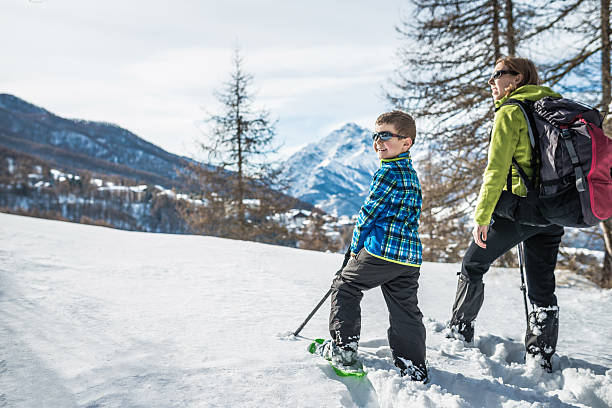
480 235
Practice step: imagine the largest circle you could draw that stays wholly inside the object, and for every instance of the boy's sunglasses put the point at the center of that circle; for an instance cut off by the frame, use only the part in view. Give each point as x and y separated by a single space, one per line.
498 74
385 136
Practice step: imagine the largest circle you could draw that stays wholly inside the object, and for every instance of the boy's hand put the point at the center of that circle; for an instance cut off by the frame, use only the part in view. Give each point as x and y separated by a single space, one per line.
480 235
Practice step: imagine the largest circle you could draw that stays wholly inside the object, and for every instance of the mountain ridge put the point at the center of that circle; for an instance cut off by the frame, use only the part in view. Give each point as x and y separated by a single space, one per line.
90 145
334 173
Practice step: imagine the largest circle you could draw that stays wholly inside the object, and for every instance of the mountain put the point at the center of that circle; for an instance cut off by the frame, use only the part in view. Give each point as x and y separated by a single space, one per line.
334 173
72 145
98 173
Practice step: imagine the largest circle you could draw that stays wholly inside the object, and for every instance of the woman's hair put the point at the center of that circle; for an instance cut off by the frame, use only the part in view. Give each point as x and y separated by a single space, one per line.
522 66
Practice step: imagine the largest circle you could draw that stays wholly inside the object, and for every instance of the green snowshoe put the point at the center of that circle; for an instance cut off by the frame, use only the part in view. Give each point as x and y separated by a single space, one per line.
344 362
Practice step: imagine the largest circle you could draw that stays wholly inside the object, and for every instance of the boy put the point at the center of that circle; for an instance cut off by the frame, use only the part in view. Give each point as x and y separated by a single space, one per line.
386 252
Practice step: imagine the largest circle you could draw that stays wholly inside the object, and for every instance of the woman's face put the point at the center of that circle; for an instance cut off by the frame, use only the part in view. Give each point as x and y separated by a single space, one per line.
505 80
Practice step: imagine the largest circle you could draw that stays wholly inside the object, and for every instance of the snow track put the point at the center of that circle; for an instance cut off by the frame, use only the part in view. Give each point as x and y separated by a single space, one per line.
506 379
95 317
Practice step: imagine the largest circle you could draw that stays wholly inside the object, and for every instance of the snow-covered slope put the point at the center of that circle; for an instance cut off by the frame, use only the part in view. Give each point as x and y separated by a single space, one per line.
334 173
91 316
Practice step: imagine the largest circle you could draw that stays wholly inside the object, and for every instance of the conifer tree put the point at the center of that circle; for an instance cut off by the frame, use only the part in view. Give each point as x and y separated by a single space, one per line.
450 45
239 186
449 51
583 71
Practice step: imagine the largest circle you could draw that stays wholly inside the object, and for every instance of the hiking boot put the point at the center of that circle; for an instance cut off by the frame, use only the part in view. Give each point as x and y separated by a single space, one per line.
409 370
345 355
541 337
468 301
461 331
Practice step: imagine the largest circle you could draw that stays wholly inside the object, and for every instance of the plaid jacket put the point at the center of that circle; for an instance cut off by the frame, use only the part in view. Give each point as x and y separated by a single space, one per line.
388 221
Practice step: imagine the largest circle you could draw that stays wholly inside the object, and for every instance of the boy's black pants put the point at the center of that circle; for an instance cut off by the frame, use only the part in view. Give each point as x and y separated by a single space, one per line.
541 246
399 284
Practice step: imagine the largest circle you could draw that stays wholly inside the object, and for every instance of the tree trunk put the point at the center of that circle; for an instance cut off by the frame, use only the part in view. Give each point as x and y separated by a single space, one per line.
510 40
495 31
606 93
606 98
239 131
605 278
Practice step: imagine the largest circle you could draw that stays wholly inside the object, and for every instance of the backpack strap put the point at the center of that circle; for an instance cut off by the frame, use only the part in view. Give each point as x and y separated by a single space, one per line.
509 180
529 184
522 175
566 135
527 109
532 130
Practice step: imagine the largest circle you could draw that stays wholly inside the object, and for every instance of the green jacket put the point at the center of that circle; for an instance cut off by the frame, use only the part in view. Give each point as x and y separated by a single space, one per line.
509 139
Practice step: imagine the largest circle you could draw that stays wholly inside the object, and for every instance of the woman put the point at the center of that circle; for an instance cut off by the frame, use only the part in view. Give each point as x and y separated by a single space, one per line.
514 78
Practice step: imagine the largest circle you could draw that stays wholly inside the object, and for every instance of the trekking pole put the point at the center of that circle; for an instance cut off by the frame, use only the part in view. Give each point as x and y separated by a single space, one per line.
523 286
347 256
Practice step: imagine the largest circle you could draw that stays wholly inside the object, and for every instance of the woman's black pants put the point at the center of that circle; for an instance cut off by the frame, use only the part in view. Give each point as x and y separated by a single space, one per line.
541 246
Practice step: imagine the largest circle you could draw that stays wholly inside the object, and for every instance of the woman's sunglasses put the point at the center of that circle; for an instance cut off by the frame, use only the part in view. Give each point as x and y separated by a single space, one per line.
498 74
385 136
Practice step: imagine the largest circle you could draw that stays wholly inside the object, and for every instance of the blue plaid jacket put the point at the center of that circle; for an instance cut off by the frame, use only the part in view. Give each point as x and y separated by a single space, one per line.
388 221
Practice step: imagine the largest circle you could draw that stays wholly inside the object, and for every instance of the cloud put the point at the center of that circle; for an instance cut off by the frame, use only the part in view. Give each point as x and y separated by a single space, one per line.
182 69
272 68
152 67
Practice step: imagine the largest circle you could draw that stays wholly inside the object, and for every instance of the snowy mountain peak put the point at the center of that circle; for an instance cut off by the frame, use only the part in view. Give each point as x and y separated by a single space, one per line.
335 172
348 132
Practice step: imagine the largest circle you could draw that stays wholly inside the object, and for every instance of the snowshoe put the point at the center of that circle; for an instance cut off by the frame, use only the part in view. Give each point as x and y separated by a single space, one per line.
343 360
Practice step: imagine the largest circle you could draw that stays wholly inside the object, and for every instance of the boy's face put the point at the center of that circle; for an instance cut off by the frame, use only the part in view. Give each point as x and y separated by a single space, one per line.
388 149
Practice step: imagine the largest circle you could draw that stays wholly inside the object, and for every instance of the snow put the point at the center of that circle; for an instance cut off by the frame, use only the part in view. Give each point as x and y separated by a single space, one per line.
252 202
599 255
111 187
92 316
60 176
11 165
56 174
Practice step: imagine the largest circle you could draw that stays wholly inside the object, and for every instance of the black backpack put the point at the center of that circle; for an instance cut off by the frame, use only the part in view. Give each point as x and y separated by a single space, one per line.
572 186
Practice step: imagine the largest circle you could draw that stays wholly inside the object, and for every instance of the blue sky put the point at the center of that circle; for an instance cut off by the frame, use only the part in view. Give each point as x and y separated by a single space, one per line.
152 66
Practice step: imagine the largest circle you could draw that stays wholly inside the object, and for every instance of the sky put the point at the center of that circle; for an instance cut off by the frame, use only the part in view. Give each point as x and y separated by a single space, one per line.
153 66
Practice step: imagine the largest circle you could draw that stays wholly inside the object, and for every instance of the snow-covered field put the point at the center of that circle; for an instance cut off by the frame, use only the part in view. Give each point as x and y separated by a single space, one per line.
95 317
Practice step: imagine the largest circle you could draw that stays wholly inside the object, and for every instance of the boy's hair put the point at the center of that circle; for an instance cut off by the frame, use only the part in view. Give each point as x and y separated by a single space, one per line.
403 123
